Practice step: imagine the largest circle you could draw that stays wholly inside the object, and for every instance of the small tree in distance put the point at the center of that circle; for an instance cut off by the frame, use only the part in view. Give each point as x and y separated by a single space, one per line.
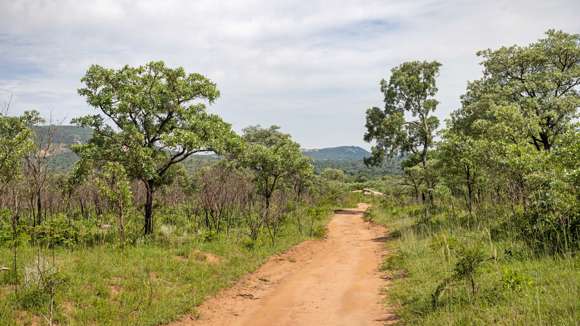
274 160
15 143
112 183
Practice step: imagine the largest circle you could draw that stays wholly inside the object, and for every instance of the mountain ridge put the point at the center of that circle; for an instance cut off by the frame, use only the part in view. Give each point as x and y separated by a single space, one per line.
337 153
348 158
68 135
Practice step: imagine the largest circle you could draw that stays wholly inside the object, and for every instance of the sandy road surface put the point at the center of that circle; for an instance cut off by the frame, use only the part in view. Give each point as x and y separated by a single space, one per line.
326 282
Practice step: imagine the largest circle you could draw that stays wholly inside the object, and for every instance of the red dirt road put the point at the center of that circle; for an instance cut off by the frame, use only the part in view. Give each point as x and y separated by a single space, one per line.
334 281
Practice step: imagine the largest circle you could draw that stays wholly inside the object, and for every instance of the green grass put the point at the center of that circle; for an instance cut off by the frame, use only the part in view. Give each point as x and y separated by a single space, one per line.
148 283
514 286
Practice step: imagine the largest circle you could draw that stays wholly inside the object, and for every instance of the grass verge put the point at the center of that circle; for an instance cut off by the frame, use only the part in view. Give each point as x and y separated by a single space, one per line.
149 283
512 285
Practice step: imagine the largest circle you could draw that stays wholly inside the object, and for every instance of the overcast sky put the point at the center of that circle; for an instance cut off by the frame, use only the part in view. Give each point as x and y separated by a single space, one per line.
312 67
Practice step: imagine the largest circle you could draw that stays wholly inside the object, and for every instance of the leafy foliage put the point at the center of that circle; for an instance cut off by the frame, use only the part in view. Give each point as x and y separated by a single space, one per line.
157 122
15 142
411 88
276 162
515 133
504 178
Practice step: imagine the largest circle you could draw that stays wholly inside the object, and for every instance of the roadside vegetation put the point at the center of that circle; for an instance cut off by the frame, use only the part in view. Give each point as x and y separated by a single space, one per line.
130 236
485 222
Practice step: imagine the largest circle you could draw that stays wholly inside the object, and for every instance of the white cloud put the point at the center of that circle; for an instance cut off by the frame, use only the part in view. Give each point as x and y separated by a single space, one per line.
312 67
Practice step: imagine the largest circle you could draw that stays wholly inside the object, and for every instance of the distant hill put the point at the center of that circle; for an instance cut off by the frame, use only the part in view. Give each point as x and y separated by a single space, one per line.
357 168
346 158
340 153
66 135
350 160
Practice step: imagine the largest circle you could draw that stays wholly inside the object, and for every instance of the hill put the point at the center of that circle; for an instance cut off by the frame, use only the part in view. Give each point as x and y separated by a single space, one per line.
340 153
346 158
66 135
350 160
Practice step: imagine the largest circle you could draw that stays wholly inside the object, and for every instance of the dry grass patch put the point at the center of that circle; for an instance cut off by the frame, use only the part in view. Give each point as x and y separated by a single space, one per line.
206 257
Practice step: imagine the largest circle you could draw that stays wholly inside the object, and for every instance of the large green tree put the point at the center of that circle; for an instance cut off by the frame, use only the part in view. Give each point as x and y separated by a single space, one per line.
410 91
527 99
514 137
152 118
541 81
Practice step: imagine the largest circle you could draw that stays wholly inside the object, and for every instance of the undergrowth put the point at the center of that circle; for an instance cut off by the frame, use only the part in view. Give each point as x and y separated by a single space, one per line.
149 282
455 269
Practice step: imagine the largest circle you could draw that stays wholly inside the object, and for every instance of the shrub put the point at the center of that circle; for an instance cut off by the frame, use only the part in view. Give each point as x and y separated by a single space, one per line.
471 258
514 281
41 282
551 223
63 231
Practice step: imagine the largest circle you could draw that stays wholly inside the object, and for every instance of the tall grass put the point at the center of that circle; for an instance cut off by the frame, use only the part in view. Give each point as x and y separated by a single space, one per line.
150 281
514 284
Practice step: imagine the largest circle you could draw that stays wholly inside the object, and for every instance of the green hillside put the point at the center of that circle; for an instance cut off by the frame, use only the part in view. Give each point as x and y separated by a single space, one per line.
340 153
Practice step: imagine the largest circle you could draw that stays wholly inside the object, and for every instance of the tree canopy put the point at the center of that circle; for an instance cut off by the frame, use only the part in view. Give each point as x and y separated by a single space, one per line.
536 84
16 141
410 89
152 117
274 158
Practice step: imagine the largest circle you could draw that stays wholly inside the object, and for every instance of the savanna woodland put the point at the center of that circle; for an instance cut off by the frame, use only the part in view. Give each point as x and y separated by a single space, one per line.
163 204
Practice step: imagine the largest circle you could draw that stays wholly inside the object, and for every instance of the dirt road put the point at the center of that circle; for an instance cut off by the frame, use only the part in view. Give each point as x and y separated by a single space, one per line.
326 282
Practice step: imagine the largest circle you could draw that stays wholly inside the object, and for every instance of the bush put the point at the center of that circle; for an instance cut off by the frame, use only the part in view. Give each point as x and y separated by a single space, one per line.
471 258
546 231
41 282
514 281
63 231
551 223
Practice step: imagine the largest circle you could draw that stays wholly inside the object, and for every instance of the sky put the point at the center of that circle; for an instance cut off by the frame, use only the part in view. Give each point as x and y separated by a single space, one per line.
312 67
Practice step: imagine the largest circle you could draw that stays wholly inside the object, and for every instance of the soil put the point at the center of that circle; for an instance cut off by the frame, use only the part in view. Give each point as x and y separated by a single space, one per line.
335 281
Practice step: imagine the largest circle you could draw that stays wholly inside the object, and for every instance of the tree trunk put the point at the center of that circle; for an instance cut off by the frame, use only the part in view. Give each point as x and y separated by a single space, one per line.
121 222
148 227
545 141
32 211
82 207
469 189
38 207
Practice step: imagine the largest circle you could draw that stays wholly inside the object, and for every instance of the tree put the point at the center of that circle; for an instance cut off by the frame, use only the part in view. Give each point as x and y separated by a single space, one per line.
275 160
410 89
158 118
333 174
15 143
458 157
526 101
515 137
541 80
113 184
37 164
413 174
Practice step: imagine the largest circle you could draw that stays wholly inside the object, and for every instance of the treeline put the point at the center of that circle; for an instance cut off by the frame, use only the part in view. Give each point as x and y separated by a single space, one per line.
152 119
485 221
357 170
513 146
91 244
